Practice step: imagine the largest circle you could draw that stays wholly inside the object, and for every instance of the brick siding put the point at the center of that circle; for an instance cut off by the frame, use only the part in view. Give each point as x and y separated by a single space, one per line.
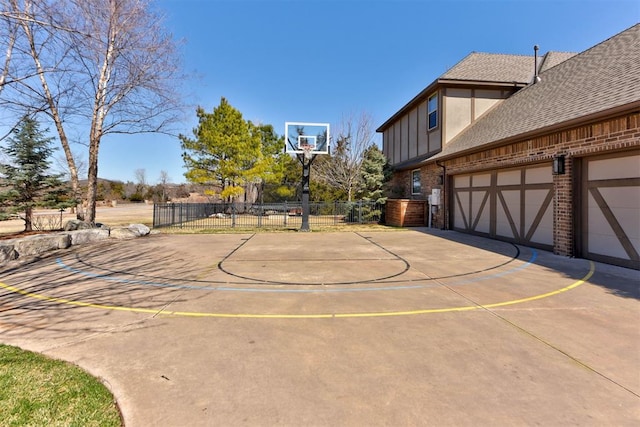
405 213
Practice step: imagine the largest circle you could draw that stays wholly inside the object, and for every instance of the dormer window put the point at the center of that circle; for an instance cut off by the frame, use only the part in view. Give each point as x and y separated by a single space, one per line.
433 111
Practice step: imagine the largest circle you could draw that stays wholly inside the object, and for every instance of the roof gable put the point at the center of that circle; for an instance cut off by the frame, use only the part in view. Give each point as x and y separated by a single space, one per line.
599 79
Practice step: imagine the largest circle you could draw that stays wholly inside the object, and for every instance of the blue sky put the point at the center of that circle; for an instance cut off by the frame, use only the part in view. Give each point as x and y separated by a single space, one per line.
320 60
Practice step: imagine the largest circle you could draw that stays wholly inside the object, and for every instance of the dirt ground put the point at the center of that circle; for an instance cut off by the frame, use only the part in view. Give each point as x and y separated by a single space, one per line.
123 214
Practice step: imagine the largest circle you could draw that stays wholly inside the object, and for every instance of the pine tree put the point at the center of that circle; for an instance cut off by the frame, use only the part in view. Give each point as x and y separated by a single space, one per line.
373 177
226 151
26 183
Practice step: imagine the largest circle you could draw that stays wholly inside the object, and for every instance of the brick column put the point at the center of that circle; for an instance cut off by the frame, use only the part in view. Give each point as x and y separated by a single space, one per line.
563 214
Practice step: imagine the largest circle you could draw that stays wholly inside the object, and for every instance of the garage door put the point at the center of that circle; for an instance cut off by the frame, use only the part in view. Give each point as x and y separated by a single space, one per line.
510 204
611 209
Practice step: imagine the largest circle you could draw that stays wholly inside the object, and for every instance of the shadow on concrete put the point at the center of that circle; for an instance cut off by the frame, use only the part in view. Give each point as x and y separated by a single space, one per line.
618 281
62 302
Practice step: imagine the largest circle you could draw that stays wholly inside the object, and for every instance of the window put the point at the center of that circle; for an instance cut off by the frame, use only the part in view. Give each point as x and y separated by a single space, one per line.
415 181
433 111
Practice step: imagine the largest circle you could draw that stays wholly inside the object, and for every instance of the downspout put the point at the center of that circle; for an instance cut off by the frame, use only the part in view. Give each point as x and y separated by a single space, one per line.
444 196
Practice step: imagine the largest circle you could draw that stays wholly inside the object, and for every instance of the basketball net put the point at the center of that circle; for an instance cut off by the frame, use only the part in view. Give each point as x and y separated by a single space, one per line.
307 151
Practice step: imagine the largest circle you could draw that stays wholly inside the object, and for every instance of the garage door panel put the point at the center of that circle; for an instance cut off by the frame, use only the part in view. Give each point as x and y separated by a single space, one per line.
511 177
614 168
462 181
482 180
543 233
508 214
611 209
622 198
539 216
459 217
541 175
602 239
480 219
612 216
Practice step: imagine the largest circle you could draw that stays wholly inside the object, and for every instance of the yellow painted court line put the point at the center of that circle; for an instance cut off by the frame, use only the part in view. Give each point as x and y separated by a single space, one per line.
592 269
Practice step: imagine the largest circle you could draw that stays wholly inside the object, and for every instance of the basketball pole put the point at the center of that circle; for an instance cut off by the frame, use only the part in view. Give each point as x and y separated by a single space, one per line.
306 174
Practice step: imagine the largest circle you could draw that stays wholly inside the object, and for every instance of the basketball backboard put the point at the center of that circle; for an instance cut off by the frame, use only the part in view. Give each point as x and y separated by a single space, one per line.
309 136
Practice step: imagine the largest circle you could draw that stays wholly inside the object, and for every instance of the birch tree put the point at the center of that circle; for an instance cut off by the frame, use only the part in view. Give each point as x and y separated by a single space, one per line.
102 66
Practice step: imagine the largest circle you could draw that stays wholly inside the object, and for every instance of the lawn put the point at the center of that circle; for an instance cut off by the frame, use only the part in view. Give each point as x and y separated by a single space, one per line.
38 391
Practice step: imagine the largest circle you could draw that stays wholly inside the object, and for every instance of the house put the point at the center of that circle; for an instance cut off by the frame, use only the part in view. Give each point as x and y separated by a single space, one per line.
543 152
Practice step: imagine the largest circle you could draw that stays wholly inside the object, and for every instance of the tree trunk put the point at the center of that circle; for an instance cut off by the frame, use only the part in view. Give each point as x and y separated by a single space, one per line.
92 184
28 214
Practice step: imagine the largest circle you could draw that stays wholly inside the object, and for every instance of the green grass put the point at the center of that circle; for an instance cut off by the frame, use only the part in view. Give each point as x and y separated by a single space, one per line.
38 391
292 229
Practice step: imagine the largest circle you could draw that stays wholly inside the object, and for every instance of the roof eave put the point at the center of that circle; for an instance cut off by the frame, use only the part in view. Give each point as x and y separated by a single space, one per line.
578 121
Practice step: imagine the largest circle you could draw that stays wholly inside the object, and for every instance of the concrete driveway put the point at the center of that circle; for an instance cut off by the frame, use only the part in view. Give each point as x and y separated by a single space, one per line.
415 327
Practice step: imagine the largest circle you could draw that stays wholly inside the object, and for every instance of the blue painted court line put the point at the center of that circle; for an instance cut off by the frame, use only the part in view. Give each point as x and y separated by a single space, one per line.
266 290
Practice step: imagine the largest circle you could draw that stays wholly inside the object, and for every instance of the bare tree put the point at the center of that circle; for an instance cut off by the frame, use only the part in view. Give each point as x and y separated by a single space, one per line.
141 176
352 137
163 180
106 66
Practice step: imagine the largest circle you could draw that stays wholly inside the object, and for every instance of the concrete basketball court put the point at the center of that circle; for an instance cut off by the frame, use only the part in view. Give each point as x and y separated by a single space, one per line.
415 327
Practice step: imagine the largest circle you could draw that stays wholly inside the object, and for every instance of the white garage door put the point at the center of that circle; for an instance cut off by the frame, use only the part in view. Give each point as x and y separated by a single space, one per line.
611 209
511 204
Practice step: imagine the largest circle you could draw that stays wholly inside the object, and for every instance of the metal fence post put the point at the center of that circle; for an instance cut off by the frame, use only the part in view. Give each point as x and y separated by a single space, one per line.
286 213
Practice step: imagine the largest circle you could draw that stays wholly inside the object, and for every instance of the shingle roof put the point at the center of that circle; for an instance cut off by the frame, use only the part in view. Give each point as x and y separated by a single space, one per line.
551 59
492 67
601 78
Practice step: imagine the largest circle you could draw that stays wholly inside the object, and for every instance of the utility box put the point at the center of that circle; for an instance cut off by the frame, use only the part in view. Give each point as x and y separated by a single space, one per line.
435 197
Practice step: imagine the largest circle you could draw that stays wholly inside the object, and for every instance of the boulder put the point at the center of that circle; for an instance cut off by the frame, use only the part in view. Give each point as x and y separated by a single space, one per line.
35 245
7 252
140 229
123 233
79 237
76 224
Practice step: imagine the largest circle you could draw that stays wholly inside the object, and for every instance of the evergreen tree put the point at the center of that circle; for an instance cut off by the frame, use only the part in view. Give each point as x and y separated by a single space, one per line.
227 151
26 181
373 177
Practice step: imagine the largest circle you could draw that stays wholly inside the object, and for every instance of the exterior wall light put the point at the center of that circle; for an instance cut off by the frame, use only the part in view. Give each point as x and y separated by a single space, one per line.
558 165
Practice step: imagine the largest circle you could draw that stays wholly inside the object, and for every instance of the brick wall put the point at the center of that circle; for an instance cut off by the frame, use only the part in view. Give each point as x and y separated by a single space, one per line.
405 213
614 134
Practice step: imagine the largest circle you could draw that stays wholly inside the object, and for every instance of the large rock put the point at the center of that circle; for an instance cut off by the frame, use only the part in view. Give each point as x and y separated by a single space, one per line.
123 233
79 237
35 245
130 232
7 252
76 224
140 229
